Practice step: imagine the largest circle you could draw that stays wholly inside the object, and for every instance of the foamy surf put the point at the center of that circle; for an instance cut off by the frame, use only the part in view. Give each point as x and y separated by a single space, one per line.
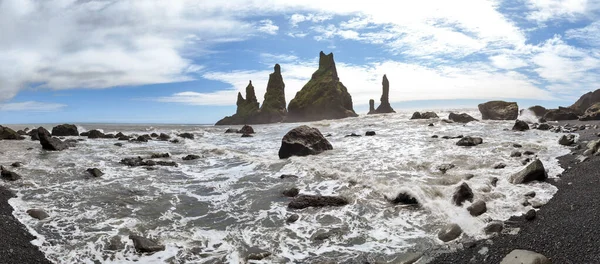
217 208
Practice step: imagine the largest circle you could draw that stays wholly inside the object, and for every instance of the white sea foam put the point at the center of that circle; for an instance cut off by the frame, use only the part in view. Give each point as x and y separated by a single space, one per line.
213 209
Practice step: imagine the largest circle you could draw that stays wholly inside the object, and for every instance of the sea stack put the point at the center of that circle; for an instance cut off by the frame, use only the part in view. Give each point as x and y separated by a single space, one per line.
372 107
323 97
385 106
272 110
246 108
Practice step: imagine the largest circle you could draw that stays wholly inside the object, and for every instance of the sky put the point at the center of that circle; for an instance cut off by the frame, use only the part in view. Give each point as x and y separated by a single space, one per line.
184 61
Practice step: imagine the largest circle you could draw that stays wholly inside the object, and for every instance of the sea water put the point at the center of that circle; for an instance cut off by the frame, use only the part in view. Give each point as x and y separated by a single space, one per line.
217 208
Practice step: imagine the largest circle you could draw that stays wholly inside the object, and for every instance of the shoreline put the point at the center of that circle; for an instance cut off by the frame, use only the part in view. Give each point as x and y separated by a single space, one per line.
15 239
564 230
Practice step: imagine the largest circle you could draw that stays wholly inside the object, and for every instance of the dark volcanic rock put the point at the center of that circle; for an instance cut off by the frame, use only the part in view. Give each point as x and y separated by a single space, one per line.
65 130
370 133
288 176
303 141
560 114
139 161
371 107
142 139
493 227
449 232
84 134
567 140
95 134
538 111
246 135
187 135
34 135
95 172
463 193
404 198
533 172
231 130
384 106
145 245
8 175
352 135
16 164
469 141
50 143
273 109
304 201
323 97
499 110
246 129
592 113
585 101
38 214
544 126
191 157
292 218
154 135
160 155
461 118
445 167
164 137
7 133
520 126
477 208
424 115
292 192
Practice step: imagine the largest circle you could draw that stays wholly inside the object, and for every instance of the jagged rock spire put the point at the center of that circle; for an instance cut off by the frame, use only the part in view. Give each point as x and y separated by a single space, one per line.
385 106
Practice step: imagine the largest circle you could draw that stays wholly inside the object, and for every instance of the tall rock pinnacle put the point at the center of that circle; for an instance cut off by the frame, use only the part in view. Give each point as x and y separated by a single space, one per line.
385 106
273 108
323 97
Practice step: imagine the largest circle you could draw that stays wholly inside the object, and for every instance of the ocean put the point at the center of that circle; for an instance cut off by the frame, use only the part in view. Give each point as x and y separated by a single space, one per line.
217 208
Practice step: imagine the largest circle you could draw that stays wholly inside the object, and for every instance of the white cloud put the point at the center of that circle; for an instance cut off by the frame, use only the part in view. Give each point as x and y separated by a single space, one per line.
31 106
559 62
267 26
507 62
589 34
295 19
558 9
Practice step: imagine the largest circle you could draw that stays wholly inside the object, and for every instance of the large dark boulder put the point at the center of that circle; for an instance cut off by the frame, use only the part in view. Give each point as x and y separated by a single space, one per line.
538 111
449 232
461 118
34 135
8 175
477 208
499 110
385 106
323 97
424 115
520 126
246 129
7 133
592 113
567 140
561 114
469 141
304 201
303 141
535 171
65 130
145 245
462 193
404 198
95 134
50 143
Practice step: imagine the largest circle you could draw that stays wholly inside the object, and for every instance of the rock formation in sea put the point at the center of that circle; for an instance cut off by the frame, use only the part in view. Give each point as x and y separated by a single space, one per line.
323 97
8 133
65 130
272 110
384 106
371 107
499 110
50 143
562 113
303 141
585 101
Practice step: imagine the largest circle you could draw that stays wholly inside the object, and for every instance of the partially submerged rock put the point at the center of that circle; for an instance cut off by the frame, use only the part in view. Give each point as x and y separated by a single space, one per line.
303 141
292 192
520 126
95 172
191 157
50 143
404 198
477 208
38 214
323 97
187 135
145 245
567 140
462 193
424 115
246 129
65 130
461 118
7 133
535 171
304 201
385 106
8 175
493 227
449 232
94 134
469 141
499 110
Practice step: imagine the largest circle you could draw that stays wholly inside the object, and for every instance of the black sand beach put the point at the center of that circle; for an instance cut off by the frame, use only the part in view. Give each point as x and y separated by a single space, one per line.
566 229
15 245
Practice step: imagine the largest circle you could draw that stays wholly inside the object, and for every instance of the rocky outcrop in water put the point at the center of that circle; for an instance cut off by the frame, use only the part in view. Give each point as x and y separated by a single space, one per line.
303 141
273 109
323 97
499 110
8 175
7 133
384 107
535 171
65 130
469 141
38 214
145 245
371 107
477 208
94 134
449 232
520 126
560 114
538 110
424 115
462 193
95 172
461 118
304 201
50 143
